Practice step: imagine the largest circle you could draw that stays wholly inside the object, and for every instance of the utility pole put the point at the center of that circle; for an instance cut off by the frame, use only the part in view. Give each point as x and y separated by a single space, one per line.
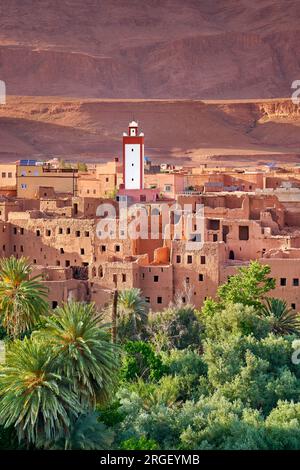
114 316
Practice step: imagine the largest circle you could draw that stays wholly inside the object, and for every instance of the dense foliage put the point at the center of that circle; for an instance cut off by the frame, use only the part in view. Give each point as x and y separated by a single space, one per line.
219 378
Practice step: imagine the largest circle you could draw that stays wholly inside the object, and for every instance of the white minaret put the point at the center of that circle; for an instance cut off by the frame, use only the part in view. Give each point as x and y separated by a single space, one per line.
133 158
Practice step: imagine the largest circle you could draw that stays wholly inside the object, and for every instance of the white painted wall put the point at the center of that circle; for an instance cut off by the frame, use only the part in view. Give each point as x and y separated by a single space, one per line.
132 166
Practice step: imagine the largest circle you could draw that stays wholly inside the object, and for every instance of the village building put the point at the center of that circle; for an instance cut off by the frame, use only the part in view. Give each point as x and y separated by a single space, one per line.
51 216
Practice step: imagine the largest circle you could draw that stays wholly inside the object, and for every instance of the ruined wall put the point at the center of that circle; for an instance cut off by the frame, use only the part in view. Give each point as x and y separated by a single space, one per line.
52 241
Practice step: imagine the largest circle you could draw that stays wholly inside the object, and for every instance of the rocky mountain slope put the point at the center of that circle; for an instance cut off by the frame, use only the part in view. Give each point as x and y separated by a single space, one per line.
150 48
214 132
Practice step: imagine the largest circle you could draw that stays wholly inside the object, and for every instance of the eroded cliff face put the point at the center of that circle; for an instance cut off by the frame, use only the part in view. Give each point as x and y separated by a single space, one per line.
150 49
280 109
186 131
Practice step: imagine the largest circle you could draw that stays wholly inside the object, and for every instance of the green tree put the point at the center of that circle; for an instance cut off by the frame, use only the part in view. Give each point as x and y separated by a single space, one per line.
84 353
34 397
283 320
249 286
236 319
141 361
175 327
283 426
218 423
22 299
187 366
259 372
141 443
132 314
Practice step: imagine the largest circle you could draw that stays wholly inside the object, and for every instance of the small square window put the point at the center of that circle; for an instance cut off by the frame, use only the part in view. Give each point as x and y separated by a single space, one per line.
189 259
67 263
201 277
283 281
296 282
117 248
38 233
178 259
159 300
77 233
123 277
155 278
103 248
203 260
82 251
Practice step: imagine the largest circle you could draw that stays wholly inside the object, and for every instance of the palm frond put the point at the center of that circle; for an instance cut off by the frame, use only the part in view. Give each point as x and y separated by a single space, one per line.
34 398
284 320
22 299
83 349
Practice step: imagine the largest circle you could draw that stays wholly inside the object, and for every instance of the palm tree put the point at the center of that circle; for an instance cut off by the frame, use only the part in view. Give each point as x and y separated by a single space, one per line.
22 300
83 349
34 398
132 314
283 320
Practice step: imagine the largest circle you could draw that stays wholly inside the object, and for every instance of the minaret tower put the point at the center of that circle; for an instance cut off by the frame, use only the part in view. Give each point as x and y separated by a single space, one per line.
133 158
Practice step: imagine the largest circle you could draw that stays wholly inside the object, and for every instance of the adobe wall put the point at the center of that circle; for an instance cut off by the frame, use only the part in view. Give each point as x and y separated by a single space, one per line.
157 285
100 186
52 241
196 273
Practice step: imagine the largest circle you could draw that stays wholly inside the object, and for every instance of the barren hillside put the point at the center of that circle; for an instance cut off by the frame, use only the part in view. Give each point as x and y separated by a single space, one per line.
150 48
243 132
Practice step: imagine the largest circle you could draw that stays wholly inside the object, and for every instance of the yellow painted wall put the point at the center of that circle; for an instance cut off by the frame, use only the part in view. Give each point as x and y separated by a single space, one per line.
7 175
